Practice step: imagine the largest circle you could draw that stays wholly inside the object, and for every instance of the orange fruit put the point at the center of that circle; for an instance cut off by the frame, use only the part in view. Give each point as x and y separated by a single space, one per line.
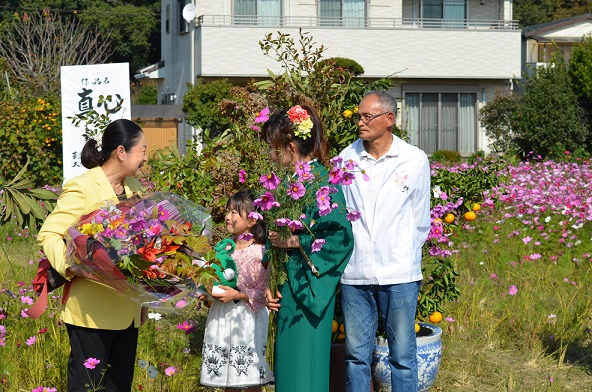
341 336
437 220
417 328
470 216
476 207
334 326
436 317
342 328
449 218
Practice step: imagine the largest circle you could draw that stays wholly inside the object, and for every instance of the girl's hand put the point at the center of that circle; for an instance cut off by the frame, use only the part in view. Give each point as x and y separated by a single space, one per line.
273 304
229 294
289 243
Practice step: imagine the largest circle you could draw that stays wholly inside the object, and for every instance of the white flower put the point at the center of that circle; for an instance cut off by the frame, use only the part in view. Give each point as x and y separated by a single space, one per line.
437 191
548 219
154 316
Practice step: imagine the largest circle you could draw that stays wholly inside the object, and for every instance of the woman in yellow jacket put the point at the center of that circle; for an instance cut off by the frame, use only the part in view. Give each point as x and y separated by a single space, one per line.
101 324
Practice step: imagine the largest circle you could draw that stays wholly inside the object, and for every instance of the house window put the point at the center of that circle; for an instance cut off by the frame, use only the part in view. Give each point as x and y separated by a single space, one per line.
183 25
442 121
257 12
444 13
342 12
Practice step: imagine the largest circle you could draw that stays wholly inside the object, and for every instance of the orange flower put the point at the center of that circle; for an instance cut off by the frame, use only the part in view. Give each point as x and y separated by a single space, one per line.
150 274
149 251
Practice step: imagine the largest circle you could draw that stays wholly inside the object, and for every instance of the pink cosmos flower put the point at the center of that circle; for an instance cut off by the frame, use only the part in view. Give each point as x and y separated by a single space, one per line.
170 371
266 202
254 127
187 327
527 239
317 245
91 363
295 225
31 341
269 181
181 304
353 216
44 389
450 319
242 176
513 290
296 190
27 300
350 164
335 175
347 178
262 116
255 215
282 222
302 168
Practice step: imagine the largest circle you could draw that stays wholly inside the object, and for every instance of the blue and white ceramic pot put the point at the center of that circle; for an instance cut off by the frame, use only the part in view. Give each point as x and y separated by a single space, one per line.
429 355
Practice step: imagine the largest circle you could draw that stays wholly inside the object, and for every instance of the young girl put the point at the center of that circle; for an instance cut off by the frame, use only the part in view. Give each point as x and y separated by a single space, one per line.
236 329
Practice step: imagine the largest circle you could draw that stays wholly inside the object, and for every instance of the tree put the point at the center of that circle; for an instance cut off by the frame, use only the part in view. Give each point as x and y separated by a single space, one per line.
498 118
131 30
550 116
36 45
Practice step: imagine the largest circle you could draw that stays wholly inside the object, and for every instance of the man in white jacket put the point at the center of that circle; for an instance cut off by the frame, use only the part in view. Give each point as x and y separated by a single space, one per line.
383 276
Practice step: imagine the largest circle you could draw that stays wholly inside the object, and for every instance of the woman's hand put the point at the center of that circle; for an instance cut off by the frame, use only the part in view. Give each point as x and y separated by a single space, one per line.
273 304
289 243
228 295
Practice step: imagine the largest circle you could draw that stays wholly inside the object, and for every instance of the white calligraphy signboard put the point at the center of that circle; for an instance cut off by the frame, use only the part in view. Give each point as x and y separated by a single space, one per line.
82 85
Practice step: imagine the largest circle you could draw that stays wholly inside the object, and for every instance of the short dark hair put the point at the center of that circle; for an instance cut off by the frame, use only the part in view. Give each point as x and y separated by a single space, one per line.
120 132
242 201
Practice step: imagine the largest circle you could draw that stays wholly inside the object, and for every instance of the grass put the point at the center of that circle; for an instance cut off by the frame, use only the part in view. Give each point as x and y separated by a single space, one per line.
537 339
522 323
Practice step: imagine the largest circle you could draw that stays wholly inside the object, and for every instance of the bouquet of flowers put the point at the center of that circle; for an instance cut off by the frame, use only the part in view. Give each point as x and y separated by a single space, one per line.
286 207
149 247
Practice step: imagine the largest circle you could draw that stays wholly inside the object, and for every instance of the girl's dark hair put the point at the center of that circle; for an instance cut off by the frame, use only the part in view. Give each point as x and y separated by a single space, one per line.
242 201
278 131
120 132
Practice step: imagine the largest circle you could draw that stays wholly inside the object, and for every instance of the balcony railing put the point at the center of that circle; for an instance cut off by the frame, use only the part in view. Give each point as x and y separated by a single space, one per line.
355 23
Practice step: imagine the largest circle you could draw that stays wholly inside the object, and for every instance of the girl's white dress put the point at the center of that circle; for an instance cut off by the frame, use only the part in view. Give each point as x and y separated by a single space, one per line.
236 332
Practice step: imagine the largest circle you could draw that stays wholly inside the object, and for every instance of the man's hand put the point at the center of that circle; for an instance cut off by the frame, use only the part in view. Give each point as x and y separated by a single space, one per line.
273 304
289 243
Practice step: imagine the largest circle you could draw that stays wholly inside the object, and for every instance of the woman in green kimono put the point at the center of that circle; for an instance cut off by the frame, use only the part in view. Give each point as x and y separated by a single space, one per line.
305 303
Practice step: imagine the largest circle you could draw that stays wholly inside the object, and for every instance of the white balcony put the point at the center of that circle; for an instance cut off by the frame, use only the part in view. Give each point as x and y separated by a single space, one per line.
412 48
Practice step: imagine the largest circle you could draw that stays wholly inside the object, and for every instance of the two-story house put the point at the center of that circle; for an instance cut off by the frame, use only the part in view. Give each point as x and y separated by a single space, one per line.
450 55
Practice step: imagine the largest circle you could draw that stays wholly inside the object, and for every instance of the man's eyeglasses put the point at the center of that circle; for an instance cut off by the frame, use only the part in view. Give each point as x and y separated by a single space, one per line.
366 118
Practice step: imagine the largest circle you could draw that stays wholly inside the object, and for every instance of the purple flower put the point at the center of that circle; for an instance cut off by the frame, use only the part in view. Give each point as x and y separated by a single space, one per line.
302 168
317 245
242 176
282 222
295 225
296 190
255 215
513 290
353 216
246 236
269 181
44 389
91 363
266 202
31 341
